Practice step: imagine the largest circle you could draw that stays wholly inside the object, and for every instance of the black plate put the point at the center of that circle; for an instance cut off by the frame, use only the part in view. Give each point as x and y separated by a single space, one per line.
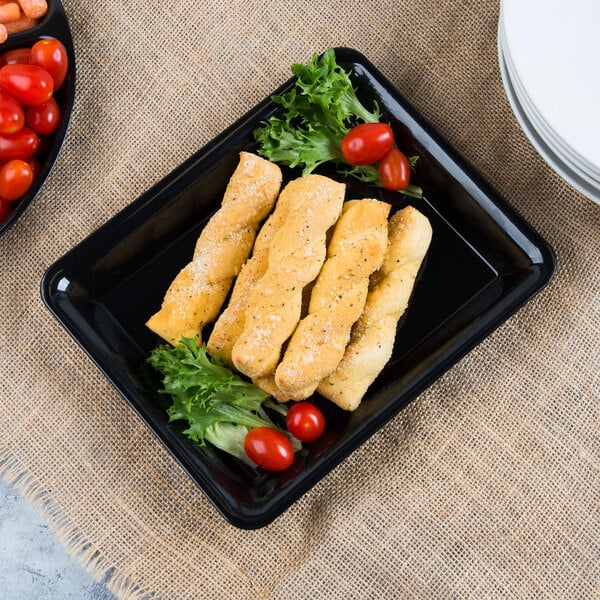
54 24
483 264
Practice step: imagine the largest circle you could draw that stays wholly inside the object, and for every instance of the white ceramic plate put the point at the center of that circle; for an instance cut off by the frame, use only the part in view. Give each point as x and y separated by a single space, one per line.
578 163
555 50
547 152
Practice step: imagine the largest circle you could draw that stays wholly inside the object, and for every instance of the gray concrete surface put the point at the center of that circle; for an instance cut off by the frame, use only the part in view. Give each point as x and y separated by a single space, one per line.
33 563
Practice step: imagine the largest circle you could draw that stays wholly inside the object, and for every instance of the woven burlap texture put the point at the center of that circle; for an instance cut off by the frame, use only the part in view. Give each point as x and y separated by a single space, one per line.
487 485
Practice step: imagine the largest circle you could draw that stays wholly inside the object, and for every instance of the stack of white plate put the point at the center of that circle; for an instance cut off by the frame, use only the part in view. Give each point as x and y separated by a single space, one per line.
549 56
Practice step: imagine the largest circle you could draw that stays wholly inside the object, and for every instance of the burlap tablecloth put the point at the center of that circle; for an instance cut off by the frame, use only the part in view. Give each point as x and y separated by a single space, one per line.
488 485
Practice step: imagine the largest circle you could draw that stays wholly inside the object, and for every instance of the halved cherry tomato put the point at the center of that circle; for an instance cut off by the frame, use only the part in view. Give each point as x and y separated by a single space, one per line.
21 144
29 84
269 448
305 421
12 116
43 118
16 177
367 143
394 170
16 56
51 55
5 209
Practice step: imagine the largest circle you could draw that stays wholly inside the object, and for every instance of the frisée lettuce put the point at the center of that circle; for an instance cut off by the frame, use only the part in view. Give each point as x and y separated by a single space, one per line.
218 405
317 112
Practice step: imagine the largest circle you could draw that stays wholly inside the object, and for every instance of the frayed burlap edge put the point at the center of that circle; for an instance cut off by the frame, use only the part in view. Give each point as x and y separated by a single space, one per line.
67 533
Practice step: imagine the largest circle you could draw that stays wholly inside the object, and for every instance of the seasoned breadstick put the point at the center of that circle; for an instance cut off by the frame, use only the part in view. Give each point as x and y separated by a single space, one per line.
337 300
230 323
373 335
267 383
297 253
197 293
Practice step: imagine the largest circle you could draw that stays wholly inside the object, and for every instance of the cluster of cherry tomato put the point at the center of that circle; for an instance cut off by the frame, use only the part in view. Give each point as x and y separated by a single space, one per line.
272 450
368 143
28 113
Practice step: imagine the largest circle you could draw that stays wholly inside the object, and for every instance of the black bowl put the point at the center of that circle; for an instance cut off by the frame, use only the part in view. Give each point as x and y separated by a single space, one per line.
54 25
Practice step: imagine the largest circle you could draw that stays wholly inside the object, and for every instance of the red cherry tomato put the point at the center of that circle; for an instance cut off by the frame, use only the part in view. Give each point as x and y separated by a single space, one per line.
394 170
5 210
12 116
43 118
21 144
305 421
29 84
51 55
269 448
16 177
367 143
16 56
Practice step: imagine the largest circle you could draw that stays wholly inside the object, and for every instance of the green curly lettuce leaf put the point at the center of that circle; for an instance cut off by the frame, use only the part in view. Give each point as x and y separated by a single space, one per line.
218 406
317 113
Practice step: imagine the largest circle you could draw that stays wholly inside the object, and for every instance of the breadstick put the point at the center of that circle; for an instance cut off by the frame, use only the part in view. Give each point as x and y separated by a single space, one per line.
337 300
230 323
297 253
373 335
199 290
267 383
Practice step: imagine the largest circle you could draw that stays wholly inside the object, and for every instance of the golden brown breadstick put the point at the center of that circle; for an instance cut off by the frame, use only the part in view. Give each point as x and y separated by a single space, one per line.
267 383
297 253
230 323
197 293
373 335
337 300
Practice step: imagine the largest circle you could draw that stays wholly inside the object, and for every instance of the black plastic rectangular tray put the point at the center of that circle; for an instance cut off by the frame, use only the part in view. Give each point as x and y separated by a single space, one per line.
484 263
